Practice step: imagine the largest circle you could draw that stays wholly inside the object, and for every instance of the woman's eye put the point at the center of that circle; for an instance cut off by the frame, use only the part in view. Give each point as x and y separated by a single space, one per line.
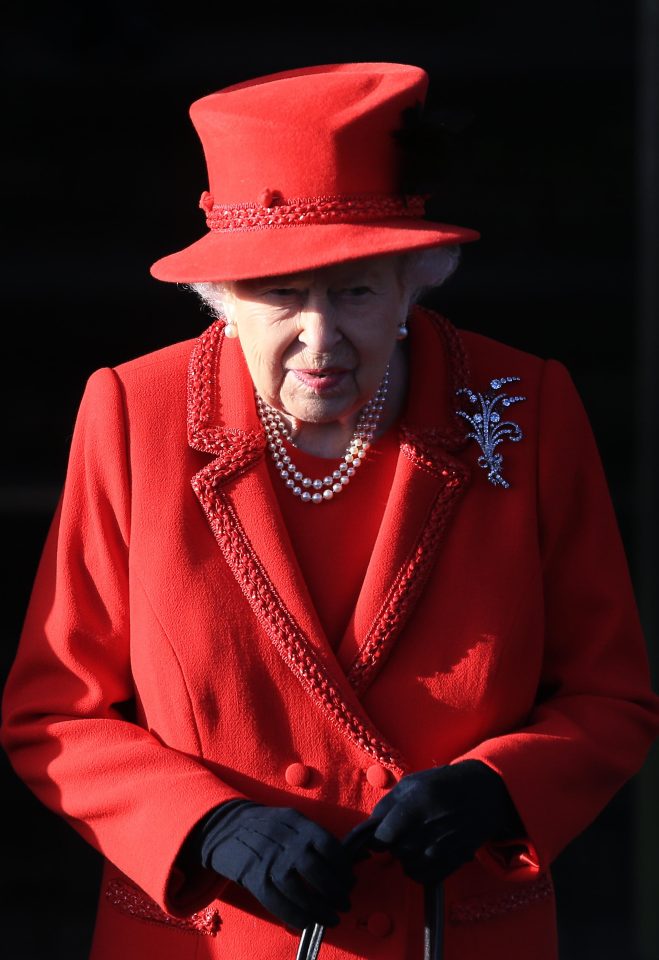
283 296
355 291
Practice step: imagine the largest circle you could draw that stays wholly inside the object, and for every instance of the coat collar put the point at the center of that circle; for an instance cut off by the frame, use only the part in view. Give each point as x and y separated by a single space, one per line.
236 494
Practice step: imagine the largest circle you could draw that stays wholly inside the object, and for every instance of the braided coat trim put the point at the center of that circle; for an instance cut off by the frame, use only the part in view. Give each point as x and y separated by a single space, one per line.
279 625
476 909
129 899
411 578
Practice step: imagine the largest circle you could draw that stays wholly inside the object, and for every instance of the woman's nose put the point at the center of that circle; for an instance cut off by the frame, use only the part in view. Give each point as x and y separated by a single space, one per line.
319 325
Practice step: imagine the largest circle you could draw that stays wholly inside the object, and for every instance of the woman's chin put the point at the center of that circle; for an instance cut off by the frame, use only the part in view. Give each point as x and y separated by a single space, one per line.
321 416
323 408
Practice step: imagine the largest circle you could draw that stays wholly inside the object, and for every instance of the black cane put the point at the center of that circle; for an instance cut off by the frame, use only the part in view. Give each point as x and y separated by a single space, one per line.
312 937
433 932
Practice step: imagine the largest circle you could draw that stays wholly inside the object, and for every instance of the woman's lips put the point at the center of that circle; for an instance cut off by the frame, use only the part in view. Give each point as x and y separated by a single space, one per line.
322 381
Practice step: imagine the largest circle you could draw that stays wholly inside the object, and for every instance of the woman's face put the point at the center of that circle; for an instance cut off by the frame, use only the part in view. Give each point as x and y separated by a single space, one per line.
317 343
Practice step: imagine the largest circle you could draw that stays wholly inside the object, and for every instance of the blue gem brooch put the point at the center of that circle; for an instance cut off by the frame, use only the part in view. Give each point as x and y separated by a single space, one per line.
489 430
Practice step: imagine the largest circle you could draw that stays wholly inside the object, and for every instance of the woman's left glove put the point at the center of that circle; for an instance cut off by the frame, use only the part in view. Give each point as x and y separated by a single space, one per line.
433 821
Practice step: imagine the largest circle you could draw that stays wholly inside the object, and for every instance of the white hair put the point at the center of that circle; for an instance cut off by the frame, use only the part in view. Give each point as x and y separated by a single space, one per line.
425 269
214 294
421 270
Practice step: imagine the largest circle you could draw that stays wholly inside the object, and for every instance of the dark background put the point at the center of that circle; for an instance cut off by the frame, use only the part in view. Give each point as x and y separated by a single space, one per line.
102 175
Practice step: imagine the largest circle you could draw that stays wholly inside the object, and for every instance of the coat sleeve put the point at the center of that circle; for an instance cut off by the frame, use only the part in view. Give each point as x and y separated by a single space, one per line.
65 720
595 715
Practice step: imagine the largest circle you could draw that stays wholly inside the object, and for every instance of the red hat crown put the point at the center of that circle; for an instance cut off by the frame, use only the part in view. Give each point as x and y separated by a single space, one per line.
320 132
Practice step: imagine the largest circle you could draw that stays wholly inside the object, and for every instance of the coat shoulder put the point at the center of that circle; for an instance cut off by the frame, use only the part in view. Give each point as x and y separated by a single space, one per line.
488 357
168 365
154 388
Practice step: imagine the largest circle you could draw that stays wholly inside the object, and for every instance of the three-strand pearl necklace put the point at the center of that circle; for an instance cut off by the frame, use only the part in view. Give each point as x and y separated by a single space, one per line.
311 490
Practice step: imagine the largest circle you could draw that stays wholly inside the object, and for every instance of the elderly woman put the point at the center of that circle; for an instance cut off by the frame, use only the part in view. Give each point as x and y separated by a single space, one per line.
332 568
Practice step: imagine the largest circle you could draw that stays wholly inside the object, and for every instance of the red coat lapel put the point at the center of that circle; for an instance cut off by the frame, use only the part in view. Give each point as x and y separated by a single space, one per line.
235 492
427 486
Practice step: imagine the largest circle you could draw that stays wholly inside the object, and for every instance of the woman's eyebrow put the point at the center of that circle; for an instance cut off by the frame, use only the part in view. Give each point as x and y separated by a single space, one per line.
280 281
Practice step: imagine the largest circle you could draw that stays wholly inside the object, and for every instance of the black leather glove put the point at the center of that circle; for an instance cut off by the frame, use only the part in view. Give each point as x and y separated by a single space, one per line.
435 820
294 867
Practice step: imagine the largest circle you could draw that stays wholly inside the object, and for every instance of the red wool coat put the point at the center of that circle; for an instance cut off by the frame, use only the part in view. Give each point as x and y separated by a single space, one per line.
171 657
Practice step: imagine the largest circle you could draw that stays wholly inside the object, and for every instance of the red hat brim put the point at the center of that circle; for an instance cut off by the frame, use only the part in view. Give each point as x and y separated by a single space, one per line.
246 254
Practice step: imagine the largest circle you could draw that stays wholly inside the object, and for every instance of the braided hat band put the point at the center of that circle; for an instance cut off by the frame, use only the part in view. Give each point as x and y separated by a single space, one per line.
275 211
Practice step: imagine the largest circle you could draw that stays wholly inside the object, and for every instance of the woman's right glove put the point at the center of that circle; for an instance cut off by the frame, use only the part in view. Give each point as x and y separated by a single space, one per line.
294 867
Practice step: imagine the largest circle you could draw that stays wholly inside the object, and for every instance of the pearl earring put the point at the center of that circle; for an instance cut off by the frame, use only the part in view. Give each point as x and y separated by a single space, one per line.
230 330
402 331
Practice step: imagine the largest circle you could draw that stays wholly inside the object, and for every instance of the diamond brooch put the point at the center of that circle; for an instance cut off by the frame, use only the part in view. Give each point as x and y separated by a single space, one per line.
489 429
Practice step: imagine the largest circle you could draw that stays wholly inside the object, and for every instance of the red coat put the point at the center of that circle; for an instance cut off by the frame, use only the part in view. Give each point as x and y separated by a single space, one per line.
171 658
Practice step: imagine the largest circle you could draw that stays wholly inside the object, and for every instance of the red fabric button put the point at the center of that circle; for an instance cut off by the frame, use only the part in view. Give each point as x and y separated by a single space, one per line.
378 776
297 774
380 924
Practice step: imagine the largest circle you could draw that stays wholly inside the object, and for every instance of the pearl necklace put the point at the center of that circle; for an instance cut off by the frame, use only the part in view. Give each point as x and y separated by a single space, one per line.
318 491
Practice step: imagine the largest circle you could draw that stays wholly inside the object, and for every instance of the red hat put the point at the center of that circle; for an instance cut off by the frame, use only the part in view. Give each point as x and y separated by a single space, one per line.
304 172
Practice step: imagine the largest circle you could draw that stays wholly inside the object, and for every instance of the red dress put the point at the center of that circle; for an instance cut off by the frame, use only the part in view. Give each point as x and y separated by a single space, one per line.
333 541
